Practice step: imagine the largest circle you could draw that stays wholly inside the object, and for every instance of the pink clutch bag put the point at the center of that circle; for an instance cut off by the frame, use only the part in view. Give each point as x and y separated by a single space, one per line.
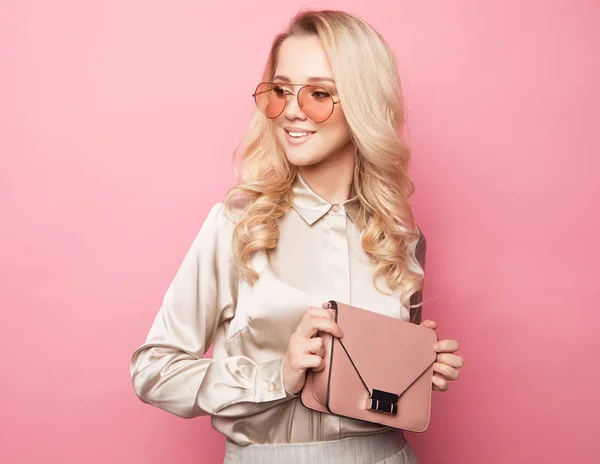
379 371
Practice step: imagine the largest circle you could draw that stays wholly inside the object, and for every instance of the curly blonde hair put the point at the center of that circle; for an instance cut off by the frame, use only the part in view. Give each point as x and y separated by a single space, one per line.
374 109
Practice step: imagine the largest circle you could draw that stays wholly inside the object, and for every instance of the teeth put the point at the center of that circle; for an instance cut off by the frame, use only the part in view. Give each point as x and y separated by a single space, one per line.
298 134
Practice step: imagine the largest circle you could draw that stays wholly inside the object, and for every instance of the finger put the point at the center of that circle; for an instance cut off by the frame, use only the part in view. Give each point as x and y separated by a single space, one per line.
446 346
313 312
303 330
429 324
311 361
451 359
321 352
439 382
449 372
320 367
309 326
326 307
331 311
320 312
314 345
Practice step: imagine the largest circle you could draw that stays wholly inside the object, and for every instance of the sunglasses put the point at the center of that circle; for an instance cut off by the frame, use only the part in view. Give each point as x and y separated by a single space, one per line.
315 102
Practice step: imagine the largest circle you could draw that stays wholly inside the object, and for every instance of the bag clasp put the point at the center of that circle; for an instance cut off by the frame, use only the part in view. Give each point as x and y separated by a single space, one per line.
384 402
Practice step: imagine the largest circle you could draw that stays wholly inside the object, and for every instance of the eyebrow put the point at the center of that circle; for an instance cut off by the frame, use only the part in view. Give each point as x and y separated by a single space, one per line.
310 79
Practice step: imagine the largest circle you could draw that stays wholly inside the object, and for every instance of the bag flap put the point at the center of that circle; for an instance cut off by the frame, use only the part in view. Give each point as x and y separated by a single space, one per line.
387 354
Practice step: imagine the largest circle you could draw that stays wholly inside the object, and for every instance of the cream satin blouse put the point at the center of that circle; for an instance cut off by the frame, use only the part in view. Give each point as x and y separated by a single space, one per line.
319 257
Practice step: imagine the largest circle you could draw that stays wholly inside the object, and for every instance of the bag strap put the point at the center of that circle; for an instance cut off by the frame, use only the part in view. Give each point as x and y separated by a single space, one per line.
417 298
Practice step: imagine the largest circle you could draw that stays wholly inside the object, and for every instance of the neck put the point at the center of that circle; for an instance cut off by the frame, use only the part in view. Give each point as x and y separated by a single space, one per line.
332 178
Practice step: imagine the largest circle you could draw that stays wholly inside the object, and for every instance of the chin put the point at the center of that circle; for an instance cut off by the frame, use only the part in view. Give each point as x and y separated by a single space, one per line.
300 156
303 157
301 161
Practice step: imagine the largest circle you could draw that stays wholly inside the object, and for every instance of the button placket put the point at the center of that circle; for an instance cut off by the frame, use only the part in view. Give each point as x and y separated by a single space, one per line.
339 263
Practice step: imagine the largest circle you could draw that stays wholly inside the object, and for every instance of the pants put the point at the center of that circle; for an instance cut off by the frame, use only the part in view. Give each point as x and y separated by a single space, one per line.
382 448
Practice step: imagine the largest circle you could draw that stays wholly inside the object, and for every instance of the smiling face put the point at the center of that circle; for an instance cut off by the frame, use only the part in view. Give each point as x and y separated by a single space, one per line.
300 59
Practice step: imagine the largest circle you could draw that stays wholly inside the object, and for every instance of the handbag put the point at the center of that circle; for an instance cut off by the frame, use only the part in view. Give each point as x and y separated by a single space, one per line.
380 371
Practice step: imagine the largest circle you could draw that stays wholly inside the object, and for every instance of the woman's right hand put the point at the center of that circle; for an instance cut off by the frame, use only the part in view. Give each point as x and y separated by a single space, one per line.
305 352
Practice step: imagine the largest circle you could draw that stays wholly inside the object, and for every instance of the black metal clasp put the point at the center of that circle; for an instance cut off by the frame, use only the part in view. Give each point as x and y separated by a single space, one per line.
382 401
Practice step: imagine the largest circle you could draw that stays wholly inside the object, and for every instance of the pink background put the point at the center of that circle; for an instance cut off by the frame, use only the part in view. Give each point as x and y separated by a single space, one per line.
117 123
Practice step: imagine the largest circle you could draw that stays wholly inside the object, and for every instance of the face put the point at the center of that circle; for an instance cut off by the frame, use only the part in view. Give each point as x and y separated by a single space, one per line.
301 58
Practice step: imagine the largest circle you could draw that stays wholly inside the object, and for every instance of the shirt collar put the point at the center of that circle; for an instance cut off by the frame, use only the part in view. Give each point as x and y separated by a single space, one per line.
312 207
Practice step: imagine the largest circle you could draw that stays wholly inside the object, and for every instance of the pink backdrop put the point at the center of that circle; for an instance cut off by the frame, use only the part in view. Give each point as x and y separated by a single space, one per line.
117 122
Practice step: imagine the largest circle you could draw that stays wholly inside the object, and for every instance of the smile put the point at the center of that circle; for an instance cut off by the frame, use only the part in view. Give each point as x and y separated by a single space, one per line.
297 138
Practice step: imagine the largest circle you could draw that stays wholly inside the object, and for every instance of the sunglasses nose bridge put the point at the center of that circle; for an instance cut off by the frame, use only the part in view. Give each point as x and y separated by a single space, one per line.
294 96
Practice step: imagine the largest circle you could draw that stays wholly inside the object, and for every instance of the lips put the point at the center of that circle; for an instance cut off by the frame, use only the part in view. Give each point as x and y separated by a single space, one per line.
297 129
298 140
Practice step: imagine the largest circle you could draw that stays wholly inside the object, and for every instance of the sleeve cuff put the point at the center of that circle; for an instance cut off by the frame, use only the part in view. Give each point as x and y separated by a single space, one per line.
268 384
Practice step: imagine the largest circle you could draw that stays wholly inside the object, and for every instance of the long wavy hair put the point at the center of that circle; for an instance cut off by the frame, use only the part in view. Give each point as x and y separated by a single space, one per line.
373 105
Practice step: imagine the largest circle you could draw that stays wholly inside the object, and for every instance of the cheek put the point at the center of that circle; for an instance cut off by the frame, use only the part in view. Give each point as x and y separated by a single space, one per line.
336 130
280 138
337 118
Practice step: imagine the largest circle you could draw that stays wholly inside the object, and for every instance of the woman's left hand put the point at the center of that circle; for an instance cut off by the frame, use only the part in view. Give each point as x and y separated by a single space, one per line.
447 364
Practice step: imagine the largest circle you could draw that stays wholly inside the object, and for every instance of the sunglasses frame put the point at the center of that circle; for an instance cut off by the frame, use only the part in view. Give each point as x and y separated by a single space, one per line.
287 100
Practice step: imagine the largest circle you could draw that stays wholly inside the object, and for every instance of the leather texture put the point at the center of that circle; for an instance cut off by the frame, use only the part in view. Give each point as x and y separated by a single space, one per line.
398 360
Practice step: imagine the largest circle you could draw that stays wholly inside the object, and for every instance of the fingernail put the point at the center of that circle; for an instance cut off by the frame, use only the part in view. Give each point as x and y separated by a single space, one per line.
436 346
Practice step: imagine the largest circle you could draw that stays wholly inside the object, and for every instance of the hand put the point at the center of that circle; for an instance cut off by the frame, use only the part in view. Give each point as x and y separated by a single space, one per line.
305 352
447 364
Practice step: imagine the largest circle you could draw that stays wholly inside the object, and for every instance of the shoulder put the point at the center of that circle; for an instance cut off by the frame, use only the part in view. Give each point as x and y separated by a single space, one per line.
216 227
232 209
213 238
220 218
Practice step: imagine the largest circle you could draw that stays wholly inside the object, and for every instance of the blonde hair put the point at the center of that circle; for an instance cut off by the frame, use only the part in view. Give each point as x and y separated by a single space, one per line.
372 99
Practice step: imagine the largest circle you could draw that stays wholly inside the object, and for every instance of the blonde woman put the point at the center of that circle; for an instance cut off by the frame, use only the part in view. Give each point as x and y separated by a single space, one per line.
321 212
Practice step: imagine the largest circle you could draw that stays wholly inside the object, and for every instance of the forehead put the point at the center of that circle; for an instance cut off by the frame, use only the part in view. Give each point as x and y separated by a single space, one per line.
302 57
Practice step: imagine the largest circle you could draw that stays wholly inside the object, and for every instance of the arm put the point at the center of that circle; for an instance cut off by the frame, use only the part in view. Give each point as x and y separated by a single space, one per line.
169 370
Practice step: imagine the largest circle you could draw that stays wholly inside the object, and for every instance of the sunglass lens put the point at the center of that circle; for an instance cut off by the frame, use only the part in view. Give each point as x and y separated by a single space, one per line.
316 103
270 99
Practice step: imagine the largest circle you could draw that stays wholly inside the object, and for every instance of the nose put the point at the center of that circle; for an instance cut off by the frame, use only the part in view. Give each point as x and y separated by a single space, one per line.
292 108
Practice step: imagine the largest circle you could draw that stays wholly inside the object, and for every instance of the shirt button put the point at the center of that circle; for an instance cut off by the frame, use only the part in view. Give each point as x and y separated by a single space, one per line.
271 387
336 208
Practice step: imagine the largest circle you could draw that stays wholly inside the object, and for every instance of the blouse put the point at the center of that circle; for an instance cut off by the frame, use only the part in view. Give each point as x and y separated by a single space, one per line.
318 258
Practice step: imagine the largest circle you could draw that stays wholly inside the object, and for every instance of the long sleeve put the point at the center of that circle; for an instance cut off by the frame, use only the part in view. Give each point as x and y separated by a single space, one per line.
169 370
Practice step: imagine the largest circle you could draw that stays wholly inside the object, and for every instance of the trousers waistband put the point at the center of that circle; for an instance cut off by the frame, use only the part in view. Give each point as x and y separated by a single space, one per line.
362 448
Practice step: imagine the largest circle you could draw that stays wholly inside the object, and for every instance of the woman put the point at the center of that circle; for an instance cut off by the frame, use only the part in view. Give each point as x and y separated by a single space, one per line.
321 213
